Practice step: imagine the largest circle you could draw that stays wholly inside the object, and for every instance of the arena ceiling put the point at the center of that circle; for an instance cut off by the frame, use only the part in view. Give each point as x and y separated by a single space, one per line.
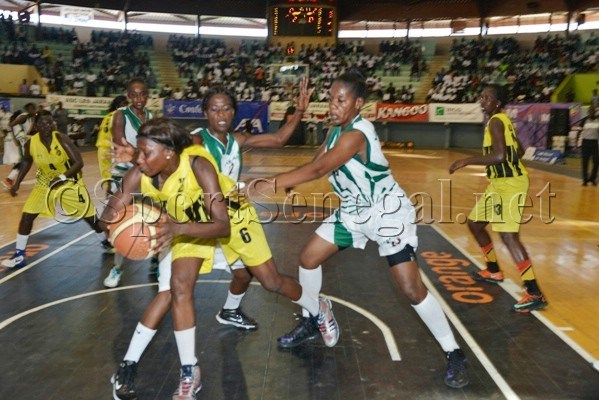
349 10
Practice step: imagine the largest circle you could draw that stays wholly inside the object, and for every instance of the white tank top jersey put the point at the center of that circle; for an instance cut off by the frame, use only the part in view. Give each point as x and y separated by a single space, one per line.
227 157
362 184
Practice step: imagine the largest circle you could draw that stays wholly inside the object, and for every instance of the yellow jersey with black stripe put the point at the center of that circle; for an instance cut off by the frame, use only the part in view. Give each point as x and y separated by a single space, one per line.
512 166
51 162
105 132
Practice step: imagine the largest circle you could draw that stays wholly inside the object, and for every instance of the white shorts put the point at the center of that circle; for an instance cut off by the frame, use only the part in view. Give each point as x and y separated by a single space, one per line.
392 226
164 271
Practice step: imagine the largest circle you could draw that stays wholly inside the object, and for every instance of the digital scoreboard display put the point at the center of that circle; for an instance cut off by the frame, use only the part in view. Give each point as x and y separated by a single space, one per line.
303 19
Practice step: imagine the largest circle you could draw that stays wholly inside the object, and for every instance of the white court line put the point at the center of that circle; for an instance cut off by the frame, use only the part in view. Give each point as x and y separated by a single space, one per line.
34 263
505 388
513 290
387 334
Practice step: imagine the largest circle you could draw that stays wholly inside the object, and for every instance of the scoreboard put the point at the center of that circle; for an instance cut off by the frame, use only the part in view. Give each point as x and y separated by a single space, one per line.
311 18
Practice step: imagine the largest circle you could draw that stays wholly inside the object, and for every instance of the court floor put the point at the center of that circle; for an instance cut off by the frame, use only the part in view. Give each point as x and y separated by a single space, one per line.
63 333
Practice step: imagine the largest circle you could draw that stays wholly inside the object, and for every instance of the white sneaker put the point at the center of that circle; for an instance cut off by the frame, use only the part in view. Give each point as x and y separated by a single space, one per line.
114 277
16 261
329 329
189 384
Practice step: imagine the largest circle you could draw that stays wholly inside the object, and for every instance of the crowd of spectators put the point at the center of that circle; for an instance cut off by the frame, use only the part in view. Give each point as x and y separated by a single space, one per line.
100 67
204 63
532 75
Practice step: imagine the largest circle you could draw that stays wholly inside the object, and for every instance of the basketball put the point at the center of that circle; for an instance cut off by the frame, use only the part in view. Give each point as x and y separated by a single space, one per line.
136 224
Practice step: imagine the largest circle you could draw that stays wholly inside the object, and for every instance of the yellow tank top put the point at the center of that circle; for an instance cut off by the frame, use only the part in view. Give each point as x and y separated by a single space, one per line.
50 163
105 132
512 166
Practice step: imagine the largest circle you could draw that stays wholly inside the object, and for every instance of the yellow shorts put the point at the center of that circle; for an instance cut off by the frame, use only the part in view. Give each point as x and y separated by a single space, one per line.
247 240
502 204
69 200
105 162
190 247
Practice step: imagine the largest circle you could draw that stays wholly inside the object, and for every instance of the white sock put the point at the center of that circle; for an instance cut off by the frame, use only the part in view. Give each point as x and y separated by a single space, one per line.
118 259
432 315
311 281
22 241
12 175
233 301
309 303
139 342
186 343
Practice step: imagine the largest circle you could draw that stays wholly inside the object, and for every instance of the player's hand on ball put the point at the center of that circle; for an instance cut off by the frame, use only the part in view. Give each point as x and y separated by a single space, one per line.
166 230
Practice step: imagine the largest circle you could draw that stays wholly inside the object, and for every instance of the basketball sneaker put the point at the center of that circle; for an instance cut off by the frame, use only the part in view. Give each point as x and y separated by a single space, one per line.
123 385
488 276
16 261
456 376
327 324
107 246
154 264
530 302
306 330
237 318
189 384
7 183
114 277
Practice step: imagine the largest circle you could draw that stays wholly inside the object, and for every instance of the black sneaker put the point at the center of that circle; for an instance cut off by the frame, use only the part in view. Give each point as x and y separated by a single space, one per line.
306 330
236 318
107 246
123 385
154 264
456 370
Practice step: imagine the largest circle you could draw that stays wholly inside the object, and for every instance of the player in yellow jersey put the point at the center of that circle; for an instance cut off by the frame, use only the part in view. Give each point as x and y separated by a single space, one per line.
504 198
104 141
58 183
165 158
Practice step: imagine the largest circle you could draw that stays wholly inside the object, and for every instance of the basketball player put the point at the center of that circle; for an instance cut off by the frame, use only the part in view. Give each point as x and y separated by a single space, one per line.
247 242
58 182
373 207
103 143
220 106
125 124
504 198
22 127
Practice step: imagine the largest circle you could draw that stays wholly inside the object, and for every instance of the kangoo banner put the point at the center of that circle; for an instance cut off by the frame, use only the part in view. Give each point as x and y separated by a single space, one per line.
402 112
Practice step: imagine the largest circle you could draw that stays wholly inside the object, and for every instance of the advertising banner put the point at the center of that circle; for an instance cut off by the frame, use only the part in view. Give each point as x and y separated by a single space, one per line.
402 112
183 109
94 107
5 103
256 112
316 111
532 120
460 113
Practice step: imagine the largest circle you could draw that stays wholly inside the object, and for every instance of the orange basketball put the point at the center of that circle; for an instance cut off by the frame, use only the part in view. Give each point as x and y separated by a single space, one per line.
133 227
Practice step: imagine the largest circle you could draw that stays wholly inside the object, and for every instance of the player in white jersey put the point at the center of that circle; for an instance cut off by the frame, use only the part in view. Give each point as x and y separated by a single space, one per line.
125 124
21 128
373 207
219 106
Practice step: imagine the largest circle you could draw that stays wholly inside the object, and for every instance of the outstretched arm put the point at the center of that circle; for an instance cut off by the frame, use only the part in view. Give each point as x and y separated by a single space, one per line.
350 144
119 200
281 137
496 157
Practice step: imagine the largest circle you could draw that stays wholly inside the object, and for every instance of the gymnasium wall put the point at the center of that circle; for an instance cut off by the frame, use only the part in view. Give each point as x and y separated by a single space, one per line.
12 75
581 85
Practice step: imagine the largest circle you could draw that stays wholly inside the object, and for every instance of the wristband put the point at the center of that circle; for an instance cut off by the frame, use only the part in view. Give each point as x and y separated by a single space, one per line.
62 177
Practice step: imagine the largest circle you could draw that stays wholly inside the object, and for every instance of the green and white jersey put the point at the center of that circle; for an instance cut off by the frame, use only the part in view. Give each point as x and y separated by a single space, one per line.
227 157
132 124
362 184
